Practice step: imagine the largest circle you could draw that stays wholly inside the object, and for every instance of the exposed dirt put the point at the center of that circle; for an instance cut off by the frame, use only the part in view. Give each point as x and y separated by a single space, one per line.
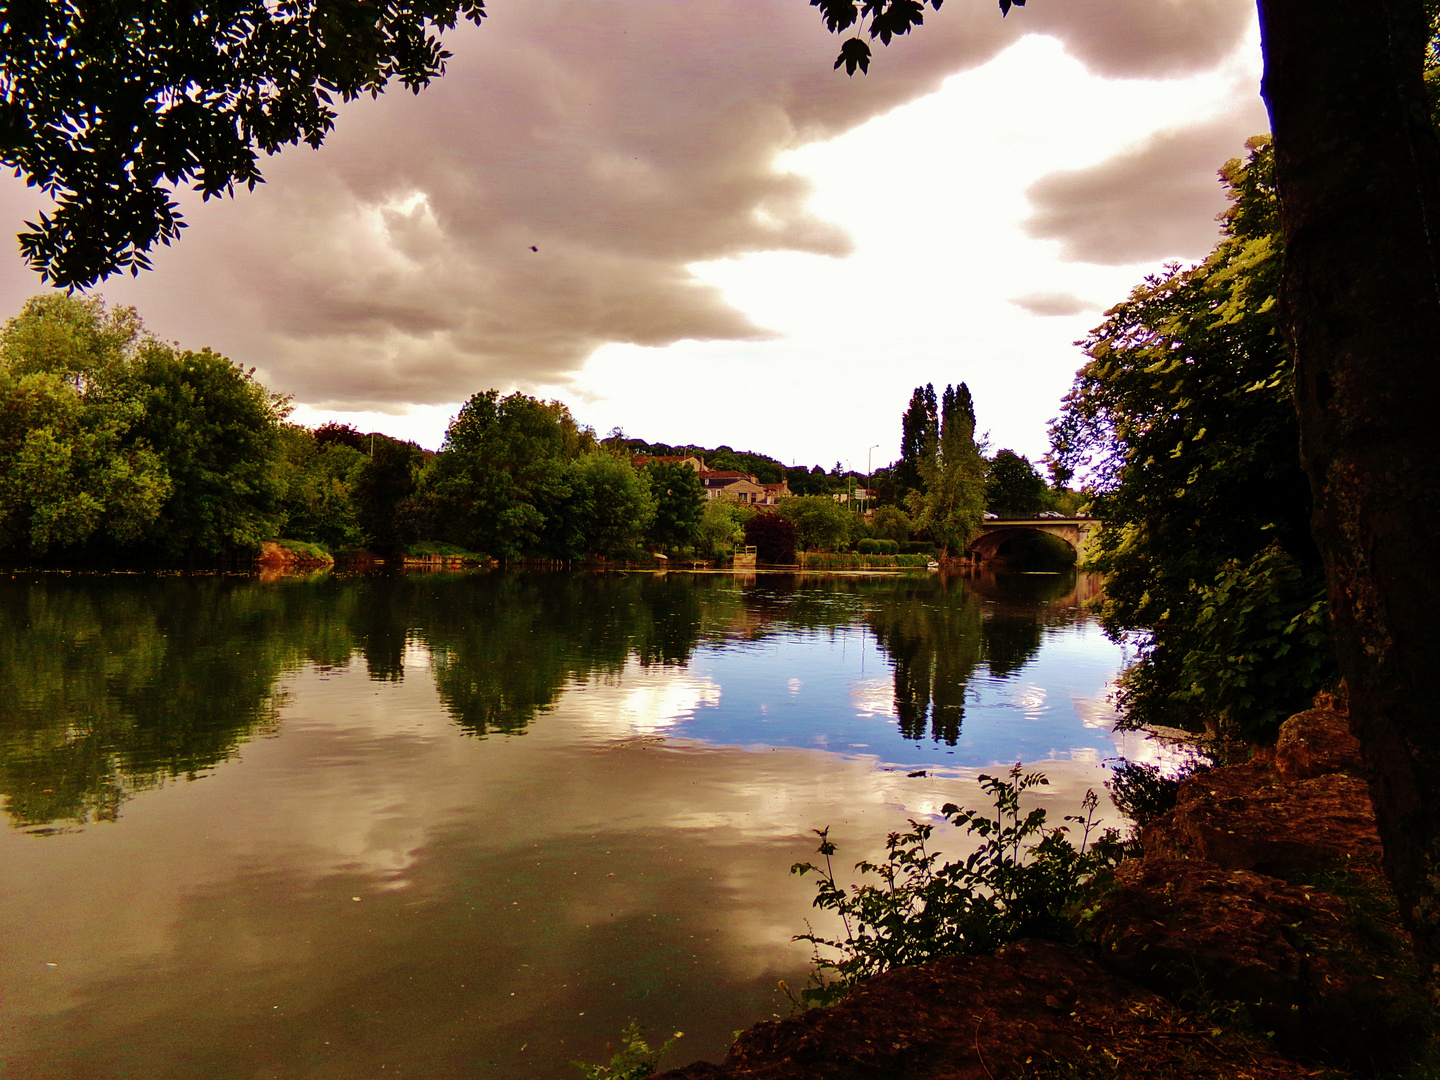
1022 1012
1303 963
1255 939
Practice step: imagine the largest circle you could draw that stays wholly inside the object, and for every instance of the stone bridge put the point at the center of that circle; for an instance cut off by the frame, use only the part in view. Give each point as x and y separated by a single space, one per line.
1074 531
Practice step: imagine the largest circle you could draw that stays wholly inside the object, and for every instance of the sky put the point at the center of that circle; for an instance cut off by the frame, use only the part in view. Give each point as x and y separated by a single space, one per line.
674 216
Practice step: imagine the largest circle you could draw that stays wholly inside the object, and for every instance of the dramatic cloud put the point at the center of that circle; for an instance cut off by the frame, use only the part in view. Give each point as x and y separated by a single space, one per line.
1053 303
551 193
1156 201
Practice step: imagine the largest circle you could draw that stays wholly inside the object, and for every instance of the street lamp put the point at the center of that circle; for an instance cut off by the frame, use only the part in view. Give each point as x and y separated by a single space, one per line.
868 471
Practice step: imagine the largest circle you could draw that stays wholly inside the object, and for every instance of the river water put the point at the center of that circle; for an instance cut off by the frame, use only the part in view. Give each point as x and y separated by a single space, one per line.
469 824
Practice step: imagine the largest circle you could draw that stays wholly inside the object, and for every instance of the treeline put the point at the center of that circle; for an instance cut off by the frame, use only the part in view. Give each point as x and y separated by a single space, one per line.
815 480
118 447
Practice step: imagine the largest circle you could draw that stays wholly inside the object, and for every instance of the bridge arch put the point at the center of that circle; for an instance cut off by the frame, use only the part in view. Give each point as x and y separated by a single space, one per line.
1076 532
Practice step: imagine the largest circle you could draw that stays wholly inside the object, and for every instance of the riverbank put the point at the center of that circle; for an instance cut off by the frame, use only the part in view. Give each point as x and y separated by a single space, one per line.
1255 937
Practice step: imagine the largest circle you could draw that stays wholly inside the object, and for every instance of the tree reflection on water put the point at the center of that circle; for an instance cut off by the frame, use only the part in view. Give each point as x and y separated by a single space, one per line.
110 685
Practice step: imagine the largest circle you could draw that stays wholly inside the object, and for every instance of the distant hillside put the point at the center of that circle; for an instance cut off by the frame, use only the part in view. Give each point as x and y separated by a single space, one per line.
766 469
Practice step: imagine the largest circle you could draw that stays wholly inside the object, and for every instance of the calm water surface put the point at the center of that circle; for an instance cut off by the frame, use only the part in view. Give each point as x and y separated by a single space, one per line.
468 825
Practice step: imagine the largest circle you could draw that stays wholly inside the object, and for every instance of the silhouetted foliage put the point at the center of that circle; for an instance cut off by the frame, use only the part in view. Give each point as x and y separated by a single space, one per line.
1185 420
679 503
109 109
772 536
1014 488
386 483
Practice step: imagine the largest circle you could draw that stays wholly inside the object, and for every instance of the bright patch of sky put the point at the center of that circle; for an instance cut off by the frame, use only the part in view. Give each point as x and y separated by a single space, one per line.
933 195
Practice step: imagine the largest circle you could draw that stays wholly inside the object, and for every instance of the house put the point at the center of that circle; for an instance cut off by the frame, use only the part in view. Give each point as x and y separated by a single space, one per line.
730 484
725 483
775 492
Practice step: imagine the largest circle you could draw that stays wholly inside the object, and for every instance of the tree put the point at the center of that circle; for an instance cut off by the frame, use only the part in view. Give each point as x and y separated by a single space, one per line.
722 526
820 522
69 471
1014 488
679 502
803 481
919 435
891 523
1183 418
385 487
107 433
952 503
1344 84
321 481
502 478
773 537
218 432
607 509
110 108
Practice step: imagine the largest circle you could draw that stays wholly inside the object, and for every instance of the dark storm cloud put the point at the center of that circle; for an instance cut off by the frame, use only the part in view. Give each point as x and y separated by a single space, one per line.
1157 201
547 196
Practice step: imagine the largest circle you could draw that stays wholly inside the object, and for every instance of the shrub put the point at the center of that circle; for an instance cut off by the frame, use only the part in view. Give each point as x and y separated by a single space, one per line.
877 547
633 1061
829 560
1023 881
427 548
1260 644
773 537
722 526
891 523
820 522
306 549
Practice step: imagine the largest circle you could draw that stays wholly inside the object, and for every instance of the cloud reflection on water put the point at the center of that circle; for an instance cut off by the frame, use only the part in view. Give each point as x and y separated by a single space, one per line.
574 868
617 843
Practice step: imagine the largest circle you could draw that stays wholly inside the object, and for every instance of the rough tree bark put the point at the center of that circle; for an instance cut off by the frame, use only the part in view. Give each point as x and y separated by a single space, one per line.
1358 169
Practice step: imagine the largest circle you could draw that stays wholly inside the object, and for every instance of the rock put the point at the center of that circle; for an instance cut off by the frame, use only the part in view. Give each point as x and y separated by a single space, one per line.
984 1018
1244 817
1315 743
1290 953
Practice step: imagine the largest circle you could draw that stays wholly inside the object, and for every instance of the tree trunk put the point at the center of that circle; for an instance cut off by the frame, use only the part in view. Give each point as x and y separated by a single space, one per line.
1358 169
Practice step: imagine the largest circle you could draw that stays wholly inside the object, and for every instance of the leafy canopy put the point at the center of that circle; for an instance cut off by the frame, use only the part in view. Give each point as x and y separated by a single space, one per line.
108 108
820 522
1184 422
108 435
1014 488
679 505
882 19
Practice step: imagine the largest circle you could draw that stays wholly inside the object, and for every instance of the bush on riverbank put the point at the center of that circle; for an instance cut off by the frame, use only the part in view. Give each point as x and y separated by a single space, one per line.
828 560
306 552
1021 883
